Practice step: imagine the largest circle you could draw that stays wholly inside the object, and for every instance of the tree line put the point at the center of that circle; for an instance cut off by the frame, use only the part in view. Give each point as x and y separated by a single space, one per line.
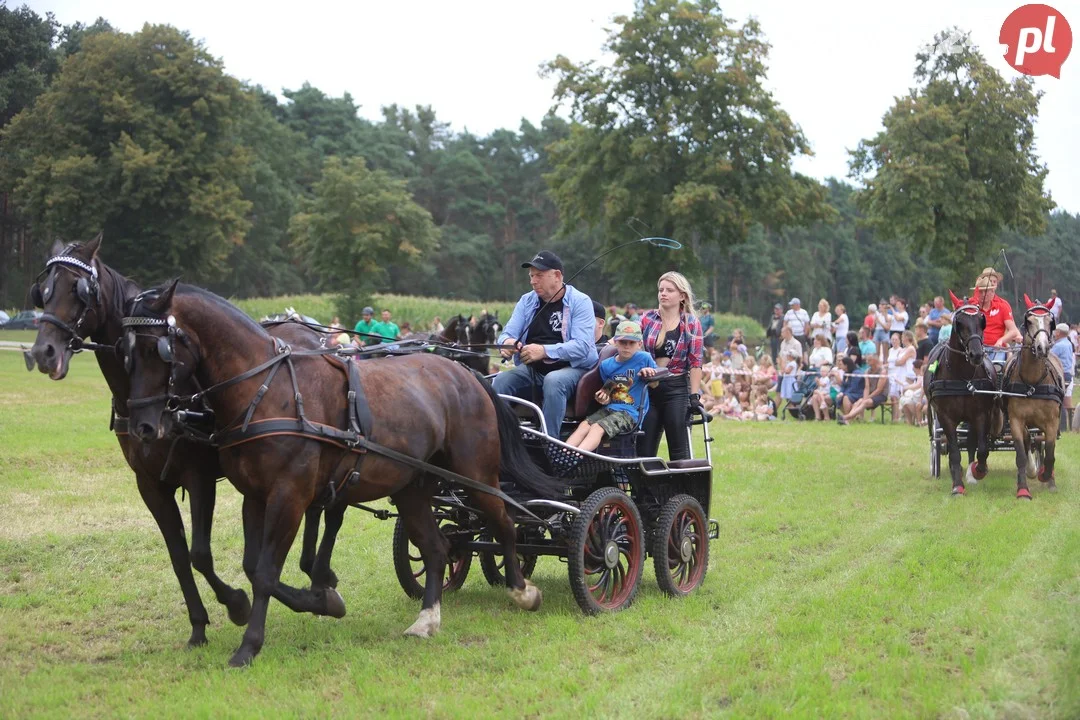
190 172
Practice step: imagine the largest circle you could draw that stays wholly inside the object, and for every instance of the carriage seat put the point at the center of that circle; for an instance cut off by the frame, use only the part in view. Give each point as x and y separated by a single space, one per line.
587 387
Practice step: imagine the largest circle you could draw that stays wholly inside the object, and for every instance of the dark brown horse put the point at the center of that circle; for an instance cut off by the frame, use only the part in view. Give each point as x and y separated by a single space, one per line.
1034 369
84 298
422 407
959 384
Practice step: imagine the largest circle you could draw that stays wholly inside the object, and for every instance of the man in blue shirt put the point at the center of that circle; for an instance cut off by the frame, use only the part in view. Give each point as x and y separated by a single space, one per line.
1064 351
933 319
550 336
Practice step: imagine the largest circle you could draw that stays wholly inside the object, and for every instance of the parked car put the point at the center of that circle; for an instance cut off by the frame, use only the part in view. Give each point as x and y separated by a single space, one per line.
26 320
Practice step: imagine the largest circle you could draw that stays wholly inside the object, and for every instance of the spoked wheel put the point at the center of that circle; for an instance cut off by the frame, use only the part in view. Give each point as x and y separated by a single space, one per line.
409 566
935 447
606 552
680 546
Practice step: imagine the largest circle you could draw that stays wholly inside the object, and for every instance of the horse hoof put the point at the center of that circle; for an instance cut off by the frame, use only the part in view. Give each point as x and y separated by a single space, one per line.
427 624
1043 478
528 598
241 658
1023 493
959 491
335 604
973 474
198 637
239 608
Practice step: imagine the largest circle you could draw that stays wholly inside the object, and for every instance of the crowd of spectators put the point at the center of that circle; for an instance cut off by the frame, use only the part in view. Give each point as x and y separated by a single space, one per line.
821 365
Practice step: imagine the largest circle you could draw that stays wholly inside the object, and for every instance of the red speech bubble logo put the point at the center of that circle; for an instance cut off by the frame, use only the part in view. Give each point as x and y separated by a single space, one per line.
1039 40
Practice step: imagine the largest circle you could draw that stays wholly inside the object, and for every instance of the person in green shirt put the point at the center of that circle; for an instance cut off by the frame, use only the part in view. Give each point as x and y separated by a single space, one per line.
389 331
367 325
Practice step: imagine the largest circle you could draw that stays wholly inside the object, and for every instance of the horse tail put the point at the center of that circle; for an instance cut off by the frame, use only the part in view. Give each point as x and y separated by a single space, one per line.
515 464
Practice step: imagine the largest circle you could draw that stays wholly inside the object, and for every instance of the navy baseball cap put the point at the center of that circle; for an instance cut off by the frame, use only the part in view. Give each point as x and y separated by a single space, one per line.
544 260
598 310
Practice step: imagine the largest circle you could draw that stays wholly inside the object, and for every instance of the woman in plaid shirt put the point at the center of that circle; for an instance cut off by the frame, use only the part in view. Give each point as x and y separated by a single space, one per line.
672 335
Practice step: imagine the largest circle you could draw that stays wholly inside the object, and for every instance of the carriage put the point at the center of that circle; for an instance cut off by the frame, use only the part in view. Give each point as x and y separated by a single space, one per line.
1002 442
615 509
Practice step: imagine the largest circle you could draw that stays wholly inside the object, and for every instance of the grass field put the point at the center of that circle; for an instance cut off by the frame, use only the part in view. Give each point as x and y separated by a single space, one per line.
845 584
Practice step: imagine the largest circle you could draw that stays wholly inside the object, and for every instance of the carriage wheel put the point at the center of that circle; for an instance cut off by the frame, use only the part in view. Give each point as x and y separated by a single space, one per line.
409 566
606 552
935 447
680 546
493 565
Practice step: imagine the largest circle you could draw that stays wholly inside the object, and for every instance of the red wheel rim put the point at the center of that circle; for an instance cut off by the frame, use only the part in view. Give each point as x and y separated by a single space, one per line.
612 553
452 571
686 549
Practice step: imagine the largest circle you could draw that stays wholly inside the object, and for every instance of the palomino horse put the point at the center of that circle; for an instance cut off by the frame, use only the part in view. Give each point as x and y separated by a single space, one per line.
959 385
1035 382
282 443
84 298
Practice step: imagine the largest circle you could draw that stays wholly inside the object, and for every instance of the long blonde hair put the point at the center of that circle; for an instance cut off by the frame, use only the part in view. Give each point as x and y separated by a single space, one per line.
682 285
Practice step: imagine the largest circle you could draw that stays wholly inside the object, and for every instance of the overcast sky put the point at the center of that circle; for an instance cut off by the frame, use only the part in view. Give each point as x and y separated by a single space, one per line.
834 66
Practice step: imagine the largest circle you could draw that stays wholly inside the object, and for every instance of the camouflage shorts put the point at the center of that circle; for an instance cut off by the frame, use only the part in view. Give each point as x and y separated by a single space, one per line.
614 422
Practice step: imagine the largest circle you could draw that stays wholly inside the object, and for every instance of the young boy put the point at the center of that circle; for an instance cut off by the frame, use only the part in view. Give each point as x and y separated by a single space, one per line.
623 392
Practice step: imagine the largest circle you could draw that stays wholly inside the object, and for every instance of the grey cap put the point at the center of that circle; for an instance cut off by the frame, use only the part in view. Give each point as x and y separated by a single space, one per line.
368 311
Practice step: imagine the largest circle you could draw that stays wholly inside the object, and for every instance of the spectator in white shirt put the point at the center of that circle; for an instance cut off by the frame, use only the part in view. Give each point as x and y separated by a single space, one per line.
822 354
840 327
821 322
798 321
789 345
1054 303
899 318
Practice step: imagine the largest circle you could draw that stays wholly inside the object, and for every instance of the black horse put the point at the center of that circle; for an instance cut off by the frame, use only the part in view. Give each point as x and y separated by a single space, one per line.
84 298
960 387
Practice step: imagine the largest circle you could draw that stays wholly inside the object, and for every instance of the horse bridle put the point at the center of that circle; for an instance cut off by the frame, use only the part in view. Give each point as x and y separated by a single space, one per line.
967 309
1037 311
165 350
88 292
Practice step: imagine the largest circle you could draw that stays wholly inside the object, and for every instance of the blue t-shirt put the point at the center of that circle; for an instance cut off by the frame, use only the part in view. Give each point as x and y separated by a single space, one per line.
931 331
1066 354
626 389
855 385
707 321
867 347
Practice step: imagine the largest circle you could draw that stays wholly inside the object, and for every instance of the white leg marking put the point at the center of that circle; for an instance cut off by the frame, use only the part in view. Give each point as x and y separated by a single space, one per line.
427 624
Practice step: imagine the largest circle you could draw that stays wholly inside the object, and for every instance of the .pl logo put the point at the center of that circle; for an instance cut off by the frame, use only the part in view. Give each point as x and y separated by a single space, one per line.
1038 40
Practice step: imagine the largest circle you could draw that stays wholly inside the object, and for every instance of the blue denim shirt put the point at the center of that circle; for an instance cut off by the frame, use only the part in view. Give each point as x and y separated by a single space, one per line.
577 347
1063 348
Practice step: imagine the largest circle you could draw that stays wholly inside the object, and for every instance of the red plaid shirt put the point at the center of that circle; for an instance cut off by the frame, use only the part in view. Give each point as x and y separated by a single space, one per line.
689 349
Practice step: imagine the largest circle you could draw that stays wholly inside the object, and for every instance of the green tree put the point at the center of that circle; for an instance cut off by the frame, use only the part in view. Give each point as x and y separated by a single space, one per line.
137 136
680 132
27 59
359 222
264 264
956 162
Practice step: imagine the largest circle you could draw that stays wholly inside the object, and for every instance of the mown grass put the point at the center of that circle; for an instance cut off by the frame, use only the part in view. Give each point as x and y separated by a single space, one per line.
845 584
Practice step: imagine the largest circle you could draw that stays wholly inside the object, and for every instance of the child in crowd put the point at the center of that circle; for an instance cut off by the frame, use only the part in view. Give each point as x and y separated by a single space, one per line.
623 394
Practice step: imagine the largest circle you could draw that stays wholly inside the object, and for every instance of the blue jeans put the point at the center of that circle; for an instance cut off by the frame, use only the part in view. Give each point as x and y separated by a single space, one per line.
553 390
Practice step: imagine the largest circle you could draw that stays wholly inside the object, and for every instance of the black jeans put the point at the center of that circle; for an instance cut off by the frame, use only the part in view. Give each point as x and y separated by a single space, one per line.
669 402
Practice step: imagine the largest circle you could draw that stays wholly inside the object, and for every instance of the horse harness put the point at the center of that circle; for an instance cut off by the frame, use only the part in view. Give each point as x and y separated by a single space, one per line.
959 388
1039 390
243 429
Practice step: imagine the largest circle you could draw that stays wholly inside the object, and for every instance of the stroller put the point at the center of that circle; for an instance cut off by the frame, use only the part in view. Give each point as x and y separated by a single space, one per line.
799 406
